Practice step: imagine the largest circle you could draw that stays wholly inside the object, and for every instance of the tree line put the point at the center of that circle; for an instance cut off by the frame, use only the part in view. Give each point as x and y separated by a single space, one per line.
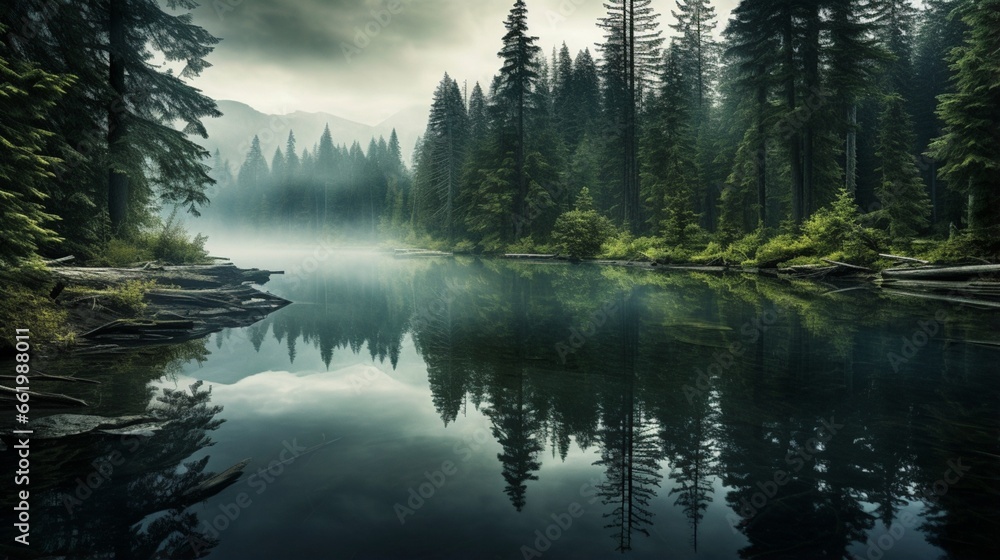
329 186
712 137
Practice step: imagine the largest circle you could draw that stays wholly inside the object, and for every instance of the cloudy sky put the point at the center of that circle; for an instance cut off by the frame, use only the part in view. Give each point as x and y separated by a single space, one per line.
357 60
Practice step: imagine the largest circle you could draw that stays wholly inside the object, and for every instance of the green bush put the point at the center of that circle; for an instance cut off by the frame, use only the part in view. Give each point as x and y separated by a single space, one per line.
581 232
838 234
169 243
129 297
782 248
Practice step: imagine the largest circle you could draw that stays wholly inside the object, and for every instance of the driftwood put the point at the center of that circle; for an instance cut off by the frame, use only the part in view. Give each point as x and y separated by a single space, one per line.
9 394
50 262
944 273
902 259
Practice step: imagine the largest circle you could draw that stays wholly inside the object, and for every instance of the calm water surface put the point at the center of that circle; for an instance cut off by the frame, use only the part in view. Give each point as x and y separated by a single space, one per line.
484 409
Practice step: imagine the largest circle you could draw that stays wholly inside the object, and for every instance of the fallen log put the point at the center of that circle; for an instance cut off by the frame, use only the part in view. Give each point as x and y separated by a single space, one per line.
945 273
9 394
902 259
529 256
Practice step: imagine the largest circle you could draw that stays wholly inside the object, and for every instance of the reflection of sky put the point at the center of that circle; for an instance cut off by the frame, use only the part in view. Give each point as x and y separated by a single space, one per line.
339 499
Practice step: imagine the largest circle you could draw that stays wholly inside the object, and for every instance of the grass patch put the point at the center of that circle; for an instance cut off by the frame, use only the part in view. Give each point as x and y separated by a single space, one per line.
167 243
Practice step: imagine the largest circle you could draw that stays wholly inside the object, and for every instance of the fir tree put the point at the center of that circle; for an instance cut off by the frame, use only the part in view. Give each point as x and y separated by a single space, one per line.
968 147
516 84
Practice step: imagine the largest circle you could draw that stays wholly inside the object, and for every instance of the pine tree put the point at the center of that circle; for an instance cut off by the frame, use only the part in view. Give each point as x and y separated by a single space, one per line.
939 33
445 146
667 156
516 84
850 56
141 119
968 147
753 45
697 49
631 52
905 207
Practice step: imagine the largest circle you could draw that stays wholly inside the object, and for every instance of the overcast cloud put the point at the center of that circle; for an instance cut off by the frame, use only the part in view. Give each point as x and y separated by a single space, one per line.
335 56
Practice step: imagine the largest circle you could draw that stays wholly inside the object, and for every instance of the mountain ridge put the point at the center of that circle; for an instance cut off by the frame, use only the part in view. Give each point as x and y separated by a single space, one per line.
232 133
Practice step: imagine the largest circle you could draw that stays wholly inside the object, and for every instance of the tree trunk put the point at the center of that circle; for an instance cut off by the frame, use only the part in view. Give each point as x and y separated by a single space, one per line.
852 151
761 152
795 137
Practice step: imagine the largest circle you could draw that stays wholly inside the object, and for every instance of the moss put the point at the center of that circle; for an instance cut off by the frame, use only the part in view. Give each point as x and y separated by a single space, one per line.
24 304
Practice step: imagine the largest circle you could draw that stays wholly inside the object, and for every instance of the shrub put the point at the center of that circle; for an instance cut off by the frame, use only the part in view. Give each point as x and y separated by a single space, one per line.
580 232
129 296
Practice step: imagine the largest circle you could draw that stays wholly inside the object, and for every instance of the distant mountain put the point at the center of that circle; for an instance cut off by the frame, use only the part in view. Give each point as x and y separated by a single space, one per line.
233 132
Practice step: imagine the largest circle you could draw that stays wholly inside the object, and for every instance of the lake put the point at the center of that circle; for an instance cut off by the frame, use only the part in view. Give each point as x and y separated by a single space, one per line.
466 408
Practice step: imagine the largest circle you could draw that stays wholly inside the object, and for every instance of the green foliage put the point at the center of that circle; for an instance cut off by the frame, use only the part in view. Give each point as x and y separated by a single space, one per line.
129 297
24 304
963 248
170 243
781 249
838 234
27 96
971 113
580 232
905 207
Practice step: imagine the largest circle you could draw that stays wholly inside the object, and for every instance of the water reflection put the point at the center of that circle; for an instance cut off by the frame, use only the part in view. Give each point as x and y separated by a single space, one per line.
715 383
125 492
714 416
